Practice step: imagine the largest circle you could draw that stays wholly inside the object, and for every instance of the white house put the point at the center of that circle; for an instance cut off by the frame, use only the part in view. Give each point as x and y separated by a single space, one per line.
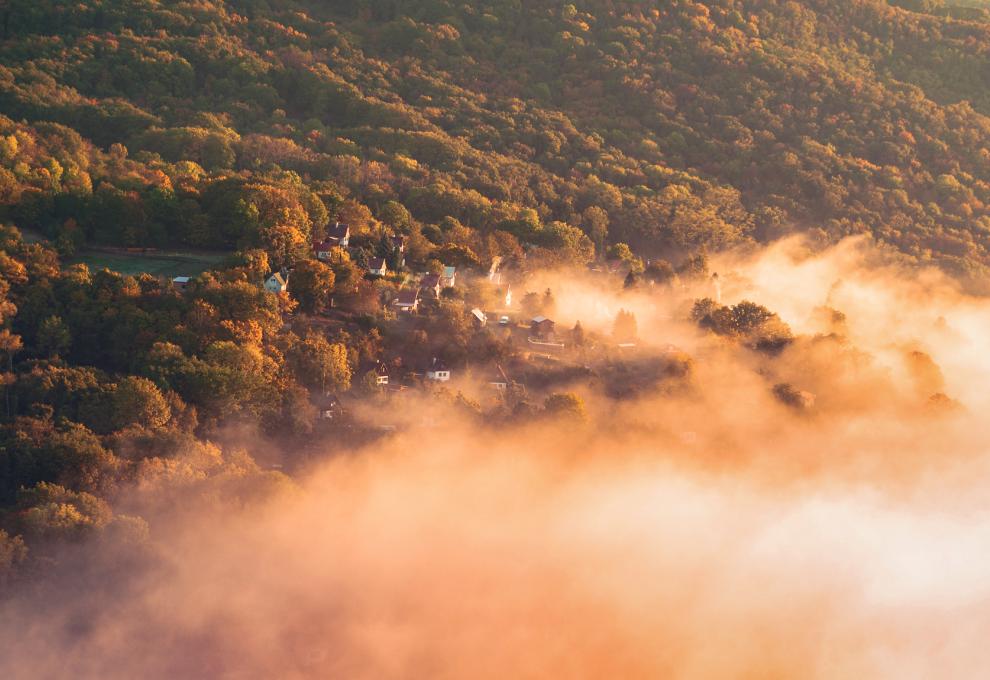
377 266
438 371
339 234
381 374
276 283
322 249
499 380
430 284
408 300
494 272
479 317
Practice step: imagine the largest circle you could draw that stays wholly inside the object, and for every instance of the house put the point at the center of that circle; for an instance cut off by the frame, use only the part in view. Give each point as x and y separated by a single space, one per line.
277 283
339 234
329 407
398 246
499 380
408 300
541 327
381 374
479 318
438 371
449 277
377 266
322 249
507 299
495 271
180 283
430 284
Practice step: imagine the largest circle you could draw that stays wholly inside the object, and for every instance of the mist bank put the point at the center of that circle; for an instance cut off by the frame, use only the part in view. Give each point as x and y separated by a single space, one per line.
712 531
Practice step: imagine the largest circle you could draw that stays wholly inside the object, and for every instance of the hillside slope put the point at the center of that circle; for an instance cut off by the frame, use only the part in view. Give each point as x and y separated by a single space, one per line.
698 125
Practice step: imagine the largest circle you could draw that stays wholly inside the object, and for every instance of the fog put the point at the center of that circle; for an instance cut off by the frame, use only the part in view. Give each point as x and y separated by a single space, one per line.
712 533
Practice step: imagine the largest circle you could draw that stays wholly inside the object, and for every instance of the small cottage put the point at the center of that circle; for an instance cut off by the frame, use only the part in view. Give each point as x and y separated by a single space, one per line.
438 371
339 235
449 277
377 266
407 301
277 283
541 327
180 283
479 318
381 374
430 285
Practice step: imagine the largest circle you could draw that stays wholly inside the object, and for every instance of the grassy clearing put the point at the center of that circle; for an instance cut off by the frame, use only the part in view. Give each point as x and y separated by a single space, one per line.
160 264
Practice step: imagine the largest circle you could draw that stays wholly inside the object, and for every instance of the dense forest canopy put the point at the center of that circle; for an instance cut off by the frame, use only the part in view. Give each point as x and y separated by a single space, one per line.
671 128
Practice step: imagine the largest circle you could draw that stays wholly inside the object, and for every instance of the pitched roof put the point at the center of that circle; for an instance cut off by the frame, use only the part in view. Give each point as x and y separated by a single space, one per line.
338 231
499 376
479 315
540 319
278 278
376 263
438 365
449 272
407 296
181 279
430 281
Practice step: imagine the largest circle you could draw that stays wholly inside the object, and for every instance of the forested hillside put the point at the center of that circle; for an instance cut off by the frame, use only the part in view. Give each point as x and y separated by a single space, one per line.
681 126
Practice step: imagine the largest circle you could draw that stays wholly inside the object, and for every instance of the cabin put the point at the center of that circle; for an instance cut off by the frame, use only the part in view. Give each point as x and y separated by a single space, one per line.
438 371
329 407
339 235
398 246
381 374
377 266
495 271
322 250
499 380
507 297
479 318
541 327
430 285
449 277
277 283
408 300
181 283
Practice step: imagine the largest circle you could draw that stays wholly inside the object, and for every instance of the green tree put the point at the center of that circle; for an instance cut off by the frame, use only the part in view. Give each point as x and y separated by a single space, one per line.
137 401
311 283
54 337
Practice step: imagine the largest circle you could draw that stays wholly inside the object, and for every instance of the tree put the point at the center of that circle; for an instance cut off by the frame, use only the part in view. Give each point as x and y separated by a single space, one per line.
10 344
565 406
595 223
624 329
54 338
138 401
311 283
577 335
12 553
318 363
660 272
532 304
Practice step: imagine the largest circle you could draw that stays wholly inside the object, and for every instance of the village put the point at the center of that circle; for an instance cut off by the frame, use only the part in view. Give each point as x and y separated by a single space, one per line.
472 335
